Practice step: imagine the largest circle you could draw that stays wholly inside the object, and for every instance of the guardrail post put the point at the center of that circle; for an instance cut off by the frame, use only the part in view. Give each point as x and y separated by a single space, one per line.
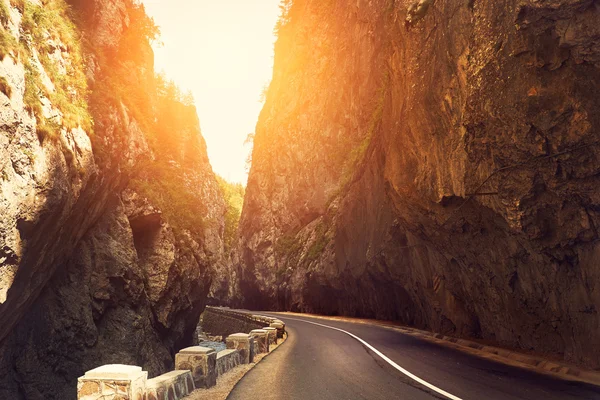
272 334
115 381
261 337
244 343
202 361
280 328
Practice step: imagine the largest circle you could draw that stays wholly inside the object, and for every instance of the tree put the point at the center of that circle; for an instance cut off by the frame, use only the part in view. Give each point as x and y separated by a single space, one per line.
284 15
249 142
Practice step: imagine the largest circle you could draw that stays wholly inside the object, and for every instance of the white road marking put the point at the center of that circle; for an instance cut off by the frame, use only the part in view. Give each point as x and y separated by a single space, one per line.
385 358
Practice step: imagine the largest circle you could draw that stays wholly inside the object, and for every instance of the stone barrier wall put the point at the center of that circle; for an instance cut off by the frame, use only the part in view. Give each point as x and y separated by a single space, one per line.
172 385
113 381
227 360
196 367
216 321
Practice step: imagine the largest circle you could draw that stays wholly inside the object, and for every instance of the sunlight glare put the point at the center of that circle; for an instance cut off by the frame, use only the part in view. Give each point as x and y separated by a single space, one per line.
222 51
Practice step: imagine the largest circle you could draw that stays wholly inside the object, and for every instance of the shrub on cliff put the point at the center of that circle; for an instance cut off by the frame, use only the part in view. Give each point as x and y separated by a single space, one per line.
4 14
169 187
125 77
233 193
167 180
18 4
5 87
142 29
7 43
33 88
48 34
284 15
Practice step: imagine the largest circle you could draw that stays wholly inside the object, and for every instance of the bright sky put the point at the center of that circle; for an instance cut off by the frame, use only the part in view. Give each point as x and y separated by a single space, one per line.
221 50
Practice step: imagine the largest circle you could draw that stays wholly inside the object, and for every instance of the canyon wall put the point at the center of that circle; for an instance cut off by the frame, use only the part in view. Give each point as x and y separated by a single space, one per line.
111 218
432 162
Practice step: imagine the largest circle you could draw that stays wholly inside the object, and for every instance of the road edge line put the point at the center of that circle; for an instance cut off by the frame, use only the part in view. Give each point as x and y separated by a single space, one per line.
385 358
550 368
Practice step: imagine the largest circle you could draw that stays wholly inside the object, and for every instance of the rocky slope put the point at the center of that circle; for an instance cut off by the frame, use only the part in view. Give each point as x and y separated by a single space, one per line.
433 162
97 263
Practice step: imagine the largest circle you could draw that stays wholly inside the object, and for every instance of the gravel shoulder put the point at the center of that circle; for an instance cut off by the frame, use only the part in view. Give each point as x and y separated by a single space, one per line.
227 382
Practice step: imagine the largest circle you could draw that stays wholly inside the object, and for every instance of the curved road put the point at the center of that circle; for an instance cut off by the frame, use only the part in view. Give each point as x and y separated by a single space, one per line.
317 362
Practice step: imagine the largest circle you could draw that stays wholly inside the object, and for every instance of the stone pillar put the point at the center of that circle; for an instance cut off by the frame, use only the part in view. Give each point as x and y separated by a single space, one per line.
279 321
202 361
280 328
244 343
262 338
109 382
264 320
272 334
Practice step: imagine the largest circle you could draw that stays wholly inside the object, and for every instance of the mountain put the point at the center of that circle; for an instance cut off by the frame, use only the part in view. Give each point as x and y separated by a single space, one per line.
111 218
435 163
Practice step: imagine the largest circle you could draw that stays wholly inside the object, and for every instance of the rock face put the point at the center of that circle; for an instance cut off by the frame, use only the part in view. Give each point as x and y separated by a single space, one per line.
95 267
435 163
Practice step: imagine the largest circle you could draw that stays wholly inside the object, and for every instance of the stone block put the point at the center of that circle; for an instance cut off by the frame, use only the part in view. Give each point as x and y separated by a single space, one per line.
202 362
272 334
227 360
175 385
254 347
280 328
244 343
261 337
122 382
267 320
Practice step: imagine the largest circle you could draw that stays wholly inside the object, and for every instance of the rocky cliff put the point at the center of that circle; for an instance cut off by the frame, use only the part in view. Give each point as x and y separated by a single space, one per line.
433 162
100 163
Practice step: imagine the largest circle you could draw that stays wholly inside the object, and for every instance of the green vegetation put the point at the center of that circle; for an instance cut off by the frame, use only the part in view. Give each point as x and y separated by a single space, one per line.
321 242
233 193
358 152
48 130
285 7
288 245
174 112
18 4
5 87
54 19
167 117
7 43
142 29
4 13
250 143
50 44
118 83
47 31
29 155
33 90
167 180
166 188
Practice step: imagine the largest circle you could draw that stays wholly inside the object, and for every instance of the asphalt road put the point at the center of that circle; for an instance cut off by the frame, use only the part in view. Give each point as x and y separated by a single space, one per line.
325 364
